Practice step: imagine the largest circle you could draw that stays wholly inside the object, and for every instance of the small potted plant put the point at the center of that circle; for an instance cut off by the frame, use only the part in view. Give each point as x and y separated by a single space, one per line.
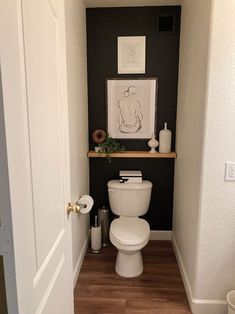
109 146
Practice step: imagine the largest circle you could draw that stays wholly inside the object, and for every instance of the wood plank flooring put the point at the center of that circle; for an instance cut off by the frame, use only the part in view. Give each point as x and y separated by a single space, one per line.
159 290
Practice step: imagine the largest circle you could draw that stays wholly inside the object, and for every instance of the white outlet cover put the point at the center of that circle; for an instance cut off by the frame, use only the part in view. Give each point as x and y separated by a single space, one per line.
230 171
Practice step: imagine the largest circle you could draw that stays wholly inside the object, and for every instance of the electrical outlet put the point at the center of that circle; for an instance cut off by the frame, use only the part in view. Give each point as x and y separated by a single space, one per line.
230 171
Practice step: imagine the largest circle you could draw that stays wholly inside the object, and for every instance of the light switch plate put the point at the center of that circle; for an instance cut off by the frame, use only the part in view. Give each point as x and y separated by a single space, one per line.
230 171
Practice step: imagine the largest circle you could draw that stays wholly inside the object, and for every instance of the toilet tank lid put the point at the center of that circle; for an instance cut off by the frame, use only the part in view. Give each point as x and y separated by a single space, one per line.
115 184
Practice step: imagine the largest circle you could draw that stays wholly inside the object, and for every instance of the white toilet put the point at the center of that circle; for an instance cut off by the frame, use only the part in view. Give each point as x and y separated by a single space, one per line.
129 233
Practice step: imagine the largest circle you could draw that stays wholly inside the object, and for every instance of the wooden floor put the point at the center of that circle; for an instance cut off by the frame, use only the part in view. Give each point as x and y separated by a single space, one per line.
158 290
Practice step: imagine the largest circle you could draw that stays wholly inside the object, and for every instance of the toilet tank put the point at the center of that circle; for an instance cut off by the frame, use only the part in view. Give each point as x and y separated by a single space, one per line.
129 199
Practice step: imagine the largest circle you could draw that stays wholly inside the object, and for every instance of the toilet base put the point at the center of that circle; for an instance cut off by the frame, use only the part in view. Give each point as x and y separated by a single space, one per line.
129 264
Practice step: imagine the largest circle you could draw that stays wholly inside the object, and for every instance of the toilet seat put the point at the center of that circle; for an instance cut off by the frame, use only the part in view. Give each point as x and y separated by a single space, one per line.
130 230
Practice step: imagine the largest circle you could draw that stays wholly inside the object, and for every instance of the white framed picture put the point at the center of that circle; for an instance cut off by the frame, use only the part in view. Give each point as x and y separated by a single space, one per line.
131 106
131 54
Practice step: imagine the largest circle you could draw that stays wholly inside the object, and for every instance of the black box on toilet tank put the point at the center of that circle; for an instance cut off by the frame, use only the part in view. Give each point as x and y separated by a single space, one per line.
130 176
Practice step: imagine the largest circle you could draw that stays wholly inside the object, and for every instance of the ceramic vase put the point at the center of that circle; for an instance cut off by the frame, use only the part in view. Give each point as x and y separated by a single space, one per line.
153 144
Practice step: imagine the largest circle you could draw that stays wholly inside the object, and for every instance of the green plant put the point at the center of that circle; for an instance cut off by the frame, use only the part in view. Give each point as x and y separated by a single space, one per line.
109 146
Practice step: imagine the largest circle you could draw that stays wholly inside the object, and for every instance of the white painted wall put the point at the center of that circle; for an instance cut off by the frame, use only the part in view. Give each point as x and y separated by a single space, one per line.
204 204
195 21
217 220
78 121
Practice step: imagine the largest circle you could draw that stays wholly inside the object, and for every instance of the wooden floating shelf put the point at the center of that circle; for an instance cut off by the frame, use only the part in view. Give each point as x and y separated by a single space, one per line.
132 154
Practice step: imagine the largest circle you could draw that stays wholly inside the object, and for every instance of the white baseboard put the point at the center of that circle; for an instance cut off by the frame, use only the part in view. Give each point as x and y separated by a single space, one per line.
160 235
198 306
80 260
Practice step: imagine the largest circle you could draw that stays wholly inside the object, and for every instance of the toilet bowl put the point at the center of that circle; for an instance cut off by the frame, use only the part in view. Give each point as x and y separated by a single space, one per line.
129 233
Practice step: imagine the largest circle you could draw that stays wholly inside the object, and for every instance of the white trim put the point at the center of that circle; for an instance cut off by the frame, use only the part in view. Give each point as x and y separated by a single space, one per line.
198 306
78 265
160 234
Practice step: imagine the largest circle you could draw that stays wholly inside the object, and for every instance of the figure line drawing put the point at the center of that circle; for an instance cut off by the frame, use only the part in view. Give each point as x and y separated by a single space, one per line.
130 116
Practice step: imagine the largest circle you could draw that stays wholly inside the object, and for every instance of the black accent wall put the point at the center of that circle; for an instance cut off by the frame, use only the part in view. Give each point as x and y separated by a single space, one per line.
104 25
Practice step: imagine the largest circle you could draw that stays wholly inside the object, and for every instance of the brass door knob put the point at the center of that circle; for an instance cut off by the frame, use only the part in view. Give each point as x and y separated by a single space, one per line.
75 208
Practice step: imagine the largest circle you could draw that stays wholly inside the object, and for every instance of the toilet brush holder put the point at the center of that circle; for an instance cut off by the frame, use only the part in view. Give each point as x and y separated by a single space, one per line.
95 237
103 221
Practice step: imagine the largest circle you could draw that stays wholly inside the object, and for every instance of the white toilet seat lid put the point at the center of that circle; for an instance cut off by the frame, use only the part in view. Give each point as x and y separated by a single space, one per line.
129 230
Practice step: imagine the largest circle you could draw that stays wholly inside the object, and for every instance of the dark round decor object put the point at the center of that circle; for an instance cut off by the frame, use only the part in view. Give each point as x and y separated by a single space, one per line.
99 136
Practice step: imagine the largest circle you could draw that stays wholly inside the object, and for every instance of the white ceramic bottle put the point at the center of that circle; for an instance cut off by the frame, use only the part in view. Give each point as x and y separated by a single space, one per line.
165 140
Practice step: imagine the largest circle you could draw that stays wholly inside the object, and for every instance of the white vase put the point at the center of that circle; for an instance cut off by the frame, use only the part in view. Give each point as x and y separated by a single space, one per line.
153 143
165 140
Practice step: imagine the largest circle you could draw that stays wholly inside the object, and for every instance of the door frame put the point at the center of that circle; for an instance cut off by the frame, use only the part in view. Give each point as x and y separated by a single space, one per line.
6 236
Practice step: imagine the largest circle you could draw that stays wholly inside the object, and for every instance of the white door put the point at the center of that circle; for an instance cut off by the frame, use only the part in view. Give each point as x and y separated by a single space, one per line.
33 64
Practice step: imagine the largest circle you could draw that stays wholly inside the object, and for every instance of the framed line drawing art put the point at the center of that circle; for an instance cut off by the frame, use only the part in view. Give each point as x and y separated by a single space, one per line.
131 106
131 54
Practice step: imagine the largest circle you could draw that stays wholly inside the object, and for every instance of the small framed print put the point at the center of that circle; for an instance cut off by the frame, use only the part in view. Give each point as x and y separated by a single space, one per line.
131 54
131 107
